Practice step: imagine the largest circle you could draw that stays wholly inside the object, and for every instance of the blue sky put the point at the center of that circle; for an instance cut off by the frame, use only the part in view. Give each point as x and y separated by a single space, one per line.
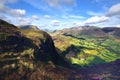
60 14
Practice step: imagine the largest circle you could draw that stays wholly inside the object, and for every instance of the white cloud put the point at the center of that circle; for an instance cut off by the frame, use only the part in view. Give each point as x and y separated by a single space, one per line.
114 10
64 17
35 17
94 13
41 25
55 23
4 18
8 1
59 3
118 25
13 15
46 4
9 11
47 16
78 23
96 19
23 21
16 12
72 17
77 17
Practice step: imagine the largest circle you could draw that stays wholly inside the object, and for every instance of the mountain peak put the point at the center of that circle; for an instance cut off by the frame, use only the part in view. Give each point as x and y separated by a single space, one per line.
29 27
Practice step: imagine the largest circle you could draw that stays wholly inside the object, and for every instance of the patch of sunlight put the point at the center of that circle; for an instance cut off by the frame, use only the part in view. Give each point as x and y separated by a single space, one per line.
91 52
31 33
77 61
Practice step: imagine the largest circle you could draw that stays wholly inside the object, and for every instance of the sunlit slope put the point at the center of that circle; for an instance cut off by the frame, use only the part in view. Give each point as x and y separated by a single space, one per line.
87 51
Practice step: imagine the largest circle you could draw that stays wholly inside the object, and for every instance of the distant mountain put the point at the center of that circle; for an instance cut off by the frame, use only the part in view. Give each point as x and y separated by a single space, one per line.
115 31
29 27
90 31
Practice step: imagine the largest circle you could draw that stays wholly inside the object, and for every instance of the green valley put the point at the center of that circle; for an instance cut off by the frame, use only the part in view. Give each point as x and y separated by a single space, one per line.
87 51
30 54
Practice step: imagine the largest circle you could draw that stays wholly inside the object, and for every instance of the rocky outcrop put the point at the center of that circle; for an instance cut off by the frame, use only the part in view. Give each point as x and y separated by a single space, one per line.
25 51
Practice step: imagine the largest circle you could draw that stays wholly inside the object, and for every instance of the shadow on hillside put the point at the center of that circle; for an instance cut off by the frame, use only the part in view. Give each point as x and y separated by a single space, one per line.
73 50
15 44
70 48
73 36
96 60
45 53
105 71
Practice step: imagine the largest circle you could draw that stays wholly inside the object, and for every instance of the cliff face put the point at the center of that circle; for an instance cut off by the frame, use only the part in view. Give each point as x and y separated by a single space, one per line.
23 52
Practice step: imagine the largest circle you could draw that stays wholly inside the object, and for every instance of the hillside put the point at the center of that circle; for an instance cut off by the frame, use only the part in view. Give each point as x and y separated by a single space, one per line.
112 31
28 55
88 46
94 52
107 71
32 55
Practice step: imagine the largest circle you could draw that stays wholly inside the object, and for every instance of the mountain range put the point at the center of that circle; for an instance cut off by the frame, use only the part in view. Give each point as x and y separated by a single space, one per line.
91 31
80 53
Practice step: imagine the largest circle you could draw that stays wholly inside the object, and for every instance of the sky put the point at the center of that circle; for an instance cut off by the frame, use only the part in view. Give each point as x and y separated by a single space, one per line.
60 14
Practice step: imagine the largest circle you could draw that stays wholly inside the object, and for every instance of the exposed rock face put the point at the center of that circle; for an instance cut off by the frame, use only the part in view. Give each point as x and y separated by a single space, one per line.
47 51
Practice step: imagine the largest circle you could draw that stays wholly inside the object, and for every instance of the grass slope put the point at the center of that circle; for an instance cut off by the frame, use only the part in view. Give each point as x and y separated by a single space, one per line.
87 51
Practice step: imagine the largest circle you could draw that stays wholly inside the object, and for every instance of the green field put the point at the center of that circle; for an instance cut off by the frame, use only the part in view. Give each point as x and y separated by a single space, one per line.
87 51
